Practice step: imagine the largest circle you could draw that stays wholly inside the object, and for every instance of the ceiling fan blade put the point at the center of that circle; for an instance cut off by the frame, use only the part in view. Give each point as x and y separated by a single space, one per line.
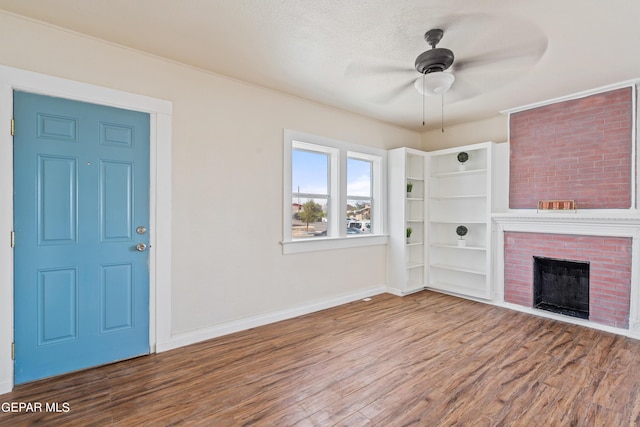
393 93
461 90
527 54
360 69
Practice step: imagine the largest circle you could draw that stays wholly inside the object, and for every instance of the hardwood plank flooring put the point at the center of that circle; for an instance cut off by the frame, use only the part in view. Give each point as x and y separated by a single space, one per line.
424 360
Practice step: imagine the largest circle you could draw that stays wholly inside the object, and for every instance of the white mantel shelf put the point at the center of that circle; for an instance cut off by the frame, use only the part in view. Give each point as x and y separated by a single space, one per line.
597 223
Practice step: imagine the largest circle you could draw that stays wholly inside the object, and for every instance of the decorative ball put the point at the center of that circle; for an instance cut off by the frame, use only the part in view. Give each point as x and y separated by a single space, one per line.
463 157
462 230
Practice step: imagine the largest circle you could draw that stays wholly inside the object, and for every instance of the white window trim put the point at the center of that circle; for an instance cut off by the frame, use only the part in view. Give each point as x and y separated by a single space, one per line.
339 151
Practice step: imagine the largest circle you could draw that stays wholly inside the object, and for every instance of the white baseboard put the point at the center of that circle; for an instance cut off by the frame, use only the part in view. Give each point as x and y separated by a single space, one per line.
192 337
399 293
394 291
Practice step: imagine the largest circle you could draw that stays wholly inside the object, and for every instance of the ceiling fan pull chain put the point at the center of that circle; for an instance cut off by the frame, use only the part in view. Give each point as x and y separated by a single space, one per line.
442 110
423 100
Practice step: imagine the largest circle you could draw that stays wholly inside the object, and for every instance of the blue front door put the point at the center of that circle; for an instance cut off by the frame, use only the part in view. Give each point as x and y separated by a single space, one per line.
81 214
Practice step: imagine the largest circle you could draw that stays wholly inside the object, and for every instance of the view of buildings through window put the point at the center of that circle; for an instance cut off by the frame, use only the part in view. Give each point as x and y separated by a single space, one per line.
311 194
359 196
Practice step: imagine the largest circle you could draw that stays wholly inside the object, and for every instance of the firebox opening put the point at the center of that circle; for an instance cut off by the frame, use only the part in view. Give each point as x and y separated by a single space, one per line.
561 286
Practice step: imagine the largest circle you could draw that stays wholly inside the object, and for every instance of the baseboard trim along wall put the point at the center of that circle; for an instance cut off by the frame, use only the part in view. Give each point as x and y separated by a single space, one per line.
400 293
203 334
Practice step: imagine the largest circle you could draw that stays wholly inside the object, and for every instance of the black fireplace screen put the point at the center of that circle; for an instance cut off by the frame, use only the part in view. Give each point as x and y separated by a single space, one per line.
561 286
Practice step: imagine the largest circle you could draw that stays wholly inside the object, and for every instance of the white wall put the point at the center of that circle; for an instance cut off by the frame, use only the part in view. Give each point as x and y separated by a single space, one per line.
494 129
226 177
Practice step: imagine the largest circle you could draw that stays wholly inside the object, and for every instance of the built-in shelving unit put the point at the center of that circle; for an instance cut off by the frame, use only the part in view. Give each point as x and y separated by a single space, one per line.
445 195
459 194
407 256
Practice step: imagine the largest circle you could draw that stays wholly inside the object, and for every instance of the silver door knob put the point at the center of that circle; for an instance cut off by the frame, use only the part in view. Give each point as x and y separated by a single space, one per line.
141 247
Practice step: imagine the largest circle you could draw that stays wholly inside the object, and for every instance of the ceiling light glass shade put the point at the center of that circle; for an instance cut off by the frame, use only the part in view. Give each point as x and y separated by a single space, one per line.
434 83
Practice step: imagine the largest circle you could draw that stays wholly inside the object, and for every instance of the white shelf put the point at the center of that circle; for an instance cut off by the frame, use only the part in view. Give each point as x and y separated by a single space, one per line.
468 248
413 286
459 289
459 173
415 178
458 268
415 265
415 199
461 197
457 221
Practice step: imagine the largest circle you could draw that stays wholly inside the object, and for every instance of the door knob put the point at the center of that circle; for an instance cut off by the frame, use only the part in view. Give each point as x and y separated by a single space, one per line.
141 247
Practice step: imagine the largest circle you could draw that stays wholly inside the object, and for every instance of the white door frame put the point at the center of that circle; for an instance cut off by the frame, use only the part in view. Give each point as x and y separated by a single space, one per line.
160 112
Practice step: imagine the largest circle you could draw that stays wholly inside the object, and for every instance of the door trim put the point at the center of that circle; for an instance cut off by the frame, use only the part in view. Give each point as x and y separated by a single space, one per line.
160 112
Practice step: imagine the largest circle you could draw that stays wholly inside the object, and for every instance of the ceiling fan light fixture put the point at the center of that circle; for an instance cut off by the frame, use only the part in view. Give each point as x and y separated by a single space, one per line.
434 83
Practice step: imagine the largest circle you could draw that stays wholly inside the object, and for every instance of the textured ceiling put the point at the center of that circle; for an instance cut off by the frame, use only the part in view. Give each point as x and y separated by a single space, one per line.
359 55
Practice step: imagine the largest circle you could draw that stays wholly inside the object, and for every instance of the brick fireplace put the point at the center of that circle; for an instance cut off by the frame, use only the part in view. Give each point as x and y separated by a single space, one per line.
610 270
580 149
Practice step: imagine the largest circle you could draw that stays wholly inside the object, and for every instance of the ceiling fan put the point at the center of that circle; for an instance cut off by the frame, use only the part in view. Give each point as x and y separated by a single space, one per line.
440 70
433 63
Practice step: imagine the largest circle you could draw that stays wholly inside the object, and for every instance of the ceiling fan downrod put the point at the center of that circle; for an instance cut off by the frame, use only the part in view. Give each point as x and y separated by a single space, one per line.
433 37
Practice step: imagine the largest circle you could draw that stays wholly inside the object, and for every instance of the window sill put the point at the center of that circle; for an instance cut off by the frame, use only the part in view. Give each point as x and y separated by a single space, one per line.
327 243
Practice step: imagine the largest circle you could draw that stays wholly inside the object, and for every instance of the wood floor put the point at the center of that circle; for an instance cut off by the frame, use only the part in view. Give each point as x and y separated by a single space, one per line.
426 360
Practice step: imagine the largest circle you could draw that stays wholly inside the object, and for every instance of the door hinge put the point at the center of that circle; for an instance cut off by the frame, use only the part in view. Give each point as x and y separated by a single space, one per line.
13 127
13 351
13 239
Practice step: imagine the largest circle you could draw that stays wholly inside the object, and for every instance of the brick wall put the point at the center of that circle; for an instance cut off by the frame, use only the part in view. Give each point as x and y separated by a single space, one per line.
609 275
575 150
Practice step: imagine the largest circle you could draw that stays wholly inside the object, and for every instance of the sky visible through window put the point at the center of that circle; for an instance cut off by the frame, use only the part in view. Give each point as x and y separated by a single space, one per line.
310 174
358 177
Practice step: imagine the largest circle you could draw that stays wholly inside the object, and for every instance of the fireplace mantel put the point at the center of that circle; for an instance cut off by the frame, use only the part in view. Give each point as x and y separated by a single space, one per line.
593 223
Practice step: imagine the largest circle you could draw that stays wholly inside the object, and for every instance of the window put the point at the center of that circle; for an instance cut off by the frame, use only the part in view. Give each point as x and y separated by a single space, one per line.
310 181
333 194
359 196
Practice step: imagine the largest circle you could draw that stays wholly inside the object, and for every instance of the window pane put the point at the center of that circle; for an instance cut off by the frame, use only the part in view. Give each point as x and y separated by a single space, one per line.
359 177
309 172
309 217
358 216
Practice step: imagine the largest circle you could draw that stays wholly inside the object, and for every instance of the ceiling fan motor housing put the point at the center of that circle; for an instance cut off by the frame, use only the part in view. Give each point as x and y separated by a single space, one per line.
433 60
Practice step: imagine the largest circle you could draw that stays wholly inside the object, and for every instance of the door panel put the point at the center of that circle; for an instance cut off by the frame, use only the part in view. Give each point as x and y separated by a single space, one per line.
116 303
58 182
81 187
116 194
57 305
